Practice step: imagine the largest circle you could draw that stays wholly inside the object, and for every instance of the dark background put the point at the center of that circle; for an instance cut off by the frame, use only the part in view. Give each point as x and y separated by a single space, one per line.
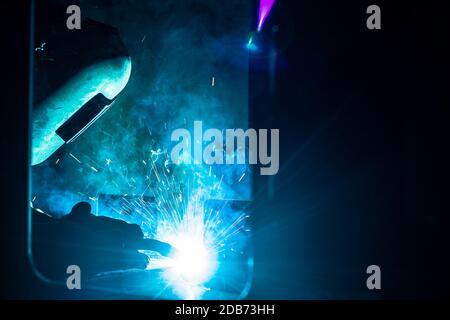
364 157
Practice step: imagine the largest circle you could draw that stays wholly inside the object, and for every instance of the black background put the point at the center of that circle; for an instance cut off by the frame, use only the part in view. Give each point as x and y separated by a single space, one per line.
366 138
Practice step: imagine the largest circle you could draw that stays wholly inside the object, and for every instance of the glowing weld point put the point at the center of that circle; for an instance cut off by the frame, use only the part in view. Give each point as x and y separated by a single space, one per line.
193 261
264 9
192 265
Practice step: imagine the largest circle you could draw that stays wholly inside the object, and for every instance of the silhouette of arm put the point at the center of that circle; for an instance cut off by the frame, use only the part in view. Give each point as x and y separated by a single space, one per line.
134 239
154 245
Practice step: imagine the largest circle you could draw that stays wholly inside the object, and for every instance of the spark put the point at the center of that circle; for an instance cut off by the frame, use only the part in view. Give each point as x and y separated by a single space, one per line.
74 158
213 82
180 213
108 162
155 154
41 47
195 260
220 183
182 218
240 179
154 169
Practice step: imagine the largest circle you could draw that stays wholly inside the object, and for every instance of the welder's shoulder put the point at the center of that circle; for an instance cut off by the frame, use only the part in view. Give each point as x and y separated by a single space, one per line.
121 225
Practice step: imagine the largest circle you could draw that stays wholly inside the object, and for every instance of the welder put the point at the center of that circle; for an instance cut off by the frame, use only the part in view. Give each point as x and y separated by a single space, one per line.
77 76
95 243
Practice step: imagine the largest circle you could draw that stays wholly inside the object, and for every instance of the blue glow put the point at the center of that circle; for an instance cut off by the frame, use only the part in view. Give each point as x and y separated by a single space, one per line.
251 45
125 155
200 235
